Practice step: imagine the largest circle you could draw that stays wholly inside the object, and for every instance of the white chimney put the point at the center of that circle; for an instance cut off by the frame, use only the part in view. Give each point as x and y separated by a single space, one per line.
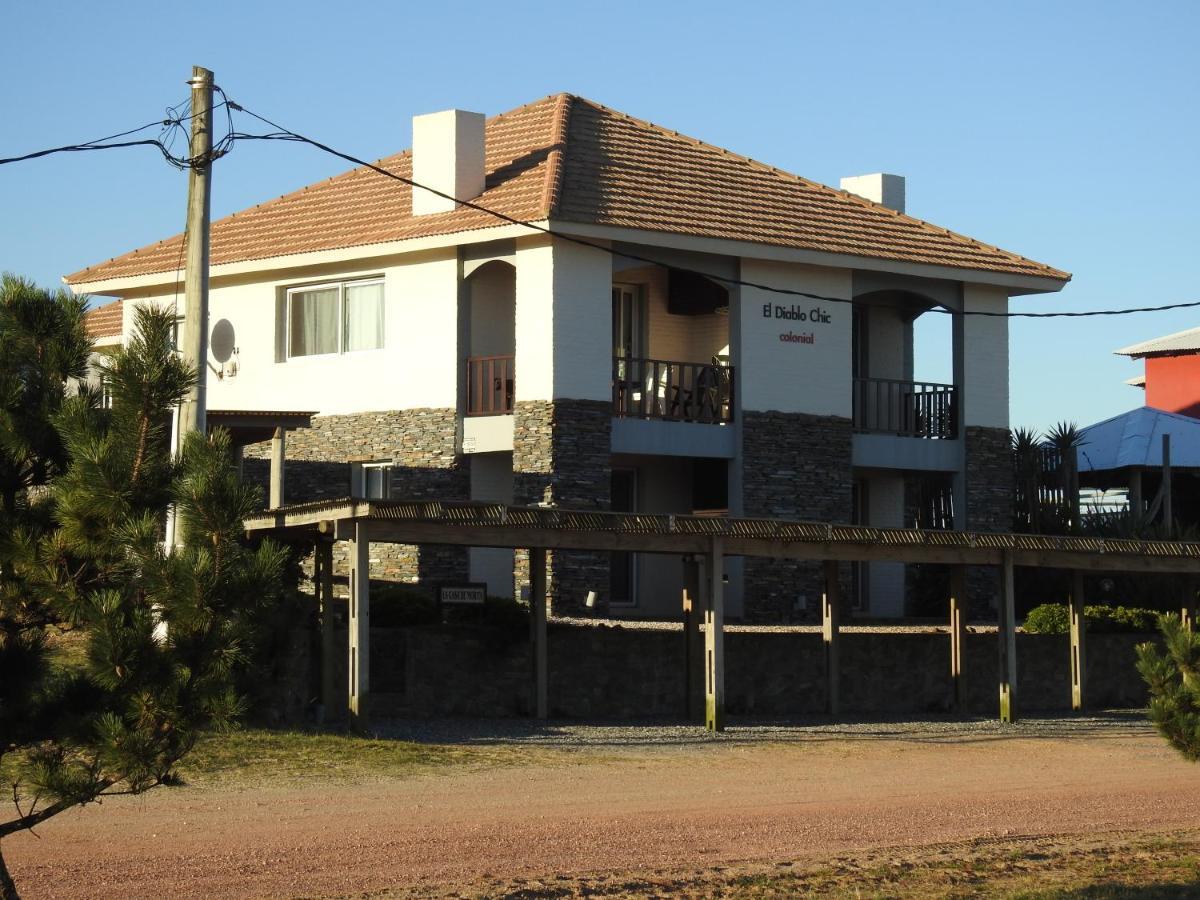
447 156
886 190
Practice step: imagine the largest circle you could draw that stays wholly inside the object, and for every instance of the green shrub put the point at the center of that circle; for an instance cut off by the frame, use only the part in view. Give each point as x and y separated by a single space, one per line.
401 605
1049 618
1174 686
1054 618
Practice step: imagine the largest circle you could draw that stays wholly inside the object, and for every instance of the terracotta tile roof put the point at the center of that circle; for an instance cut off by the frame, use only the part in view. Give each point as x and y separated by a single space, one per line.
571 160
103 321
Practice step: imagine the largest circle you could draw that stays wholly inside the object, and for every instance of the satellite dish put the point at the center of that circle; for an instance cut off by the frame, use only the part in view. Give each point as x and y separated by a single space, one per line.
222 343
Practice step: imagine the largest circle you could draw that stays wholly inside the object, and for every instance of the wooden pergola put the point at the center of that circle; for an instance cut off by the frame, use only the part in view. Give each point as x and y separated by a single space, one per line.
704 543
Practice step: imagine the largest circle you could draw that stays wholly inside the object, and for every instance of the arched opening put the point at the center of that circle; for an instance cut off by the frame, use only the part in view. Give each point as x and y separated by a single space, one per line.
491 378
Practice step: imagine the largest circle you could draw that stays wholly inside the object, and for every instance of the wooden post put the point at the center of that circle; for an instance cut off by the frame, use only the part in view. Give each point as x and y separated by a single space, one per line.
1135 495
1168 517
714 639
278 454
830 631
1078 641
360 627
691 646
537 623
958 630
1008 642
323 563
194 344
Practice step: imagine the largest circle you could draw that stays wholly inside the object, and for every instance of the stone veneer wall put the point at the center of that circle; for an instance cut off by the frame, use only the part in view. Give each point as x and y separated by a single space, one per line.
794 466
562 455
421 443
602 671
989 506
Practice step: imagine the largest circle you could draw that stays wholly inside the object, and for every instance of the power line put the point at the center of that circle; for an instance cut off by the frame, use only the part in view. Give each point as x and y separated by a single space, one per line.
173 123
169 126
282 133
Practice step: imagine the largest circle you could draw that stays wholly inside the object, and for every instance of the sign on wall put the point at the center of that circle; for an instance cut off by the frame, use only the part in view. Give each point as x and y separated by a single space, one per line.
467 594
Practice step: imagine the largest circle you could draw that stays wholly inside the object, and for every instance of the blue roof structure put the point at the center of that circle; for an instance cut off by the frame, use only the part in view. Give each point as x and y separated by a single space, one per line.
1135 439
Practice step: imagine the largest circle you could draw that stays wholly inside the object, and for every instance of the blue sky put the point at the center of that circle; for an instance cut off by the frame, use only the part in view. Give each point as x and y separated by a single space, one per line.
1066 132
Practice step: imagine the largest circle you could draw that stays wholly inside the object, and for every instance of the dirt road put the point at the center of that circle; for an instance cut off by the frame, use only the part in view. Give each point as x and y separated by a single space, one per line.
627 809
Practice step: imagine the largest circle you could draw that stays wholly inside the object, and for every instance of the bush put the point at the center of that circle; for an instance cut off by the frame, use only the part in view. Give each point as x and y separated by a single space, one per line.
1054 618
1174 687
401 605
405 605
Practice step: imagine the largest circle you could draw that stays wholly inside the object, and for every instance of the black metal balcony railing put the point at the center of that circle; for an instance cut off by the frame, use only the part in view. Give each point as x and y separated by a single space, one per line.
489 385
673 391
905 408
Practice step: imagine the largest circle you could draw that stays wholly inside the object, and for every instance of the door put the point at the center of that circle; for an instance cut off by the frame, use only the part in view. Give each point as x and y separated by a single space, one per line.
623 565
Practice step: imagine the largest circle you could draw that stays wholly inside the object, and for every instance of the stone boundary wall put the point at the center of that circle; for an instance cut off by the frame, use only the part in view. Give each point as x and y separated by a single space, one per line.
562 456
616 672
794 466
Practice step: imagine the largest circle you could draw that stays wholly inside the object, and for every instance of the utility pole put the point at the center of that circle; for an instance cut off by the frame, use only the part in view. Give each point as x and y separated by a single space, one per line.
195 286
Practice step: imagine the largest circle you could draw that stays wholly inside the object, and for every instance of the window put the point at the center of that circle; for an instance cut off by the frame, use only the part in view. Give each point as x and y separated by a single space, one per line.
334 318
371 480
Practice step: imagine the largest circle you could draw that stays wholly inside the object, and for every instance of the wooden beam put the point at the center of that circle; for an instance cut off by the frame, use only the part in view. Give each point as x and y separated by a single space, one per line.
323 563
958 631
537 623
830 635
1007 642
1078 642
501 536
714 639
360 628
278 455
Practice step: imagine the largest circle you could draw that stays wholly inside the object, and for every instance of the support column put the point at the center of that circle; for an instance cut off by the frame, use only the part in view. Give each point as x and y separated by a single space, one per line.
323 563
1007 642
278 452
537 624
958 633
714 640
691 646
830 633
1078 640
360 627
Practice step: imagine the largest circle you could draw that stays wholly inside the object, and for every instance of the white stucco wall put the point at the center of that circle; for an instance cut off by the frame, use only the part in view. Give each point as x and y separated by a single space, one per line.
888 338
563 321
795 376
985 357
492 482
416 367
493 310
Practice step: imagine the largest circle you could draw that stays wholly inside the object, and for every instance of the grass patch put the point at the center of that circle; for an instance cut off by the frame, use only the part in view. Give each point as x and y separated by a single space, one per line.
257 755
1140 867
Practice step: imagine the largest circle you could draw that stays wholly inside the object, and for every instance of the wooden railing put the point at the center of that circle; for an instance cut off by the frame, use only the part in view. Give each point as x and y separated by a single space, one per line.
489 385
674 391
905 408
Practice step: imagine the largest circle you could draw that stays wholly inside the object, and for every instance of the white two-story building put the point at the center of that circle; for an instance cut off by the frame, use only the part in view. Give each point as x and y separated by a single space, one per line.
635 357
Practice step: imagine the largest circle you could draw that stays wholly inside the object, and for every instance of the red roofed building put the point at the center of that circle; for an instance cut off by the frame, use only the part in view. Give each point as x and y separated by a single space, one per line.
619 317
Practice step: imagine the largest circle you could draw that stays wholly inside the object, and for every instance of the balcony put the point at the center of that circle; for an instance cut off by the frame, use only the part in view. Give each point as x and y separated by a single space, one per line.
490 386
671 391
905 408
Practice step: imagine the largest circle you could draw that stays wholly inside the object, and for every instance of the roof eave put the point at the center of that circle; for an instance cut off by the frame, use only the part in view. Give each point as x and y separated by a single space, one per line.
129 283
1016 283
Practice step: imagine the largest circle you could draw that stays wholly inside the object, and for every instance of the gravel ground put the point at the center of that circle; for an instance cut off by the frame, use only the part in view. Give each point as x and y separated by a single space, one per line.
634 799
649 733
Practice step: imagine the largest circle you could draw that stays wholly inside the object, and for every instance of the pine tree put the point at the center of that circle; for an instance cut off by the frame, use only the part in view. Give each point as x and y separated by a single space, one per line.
165 629
1174 681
